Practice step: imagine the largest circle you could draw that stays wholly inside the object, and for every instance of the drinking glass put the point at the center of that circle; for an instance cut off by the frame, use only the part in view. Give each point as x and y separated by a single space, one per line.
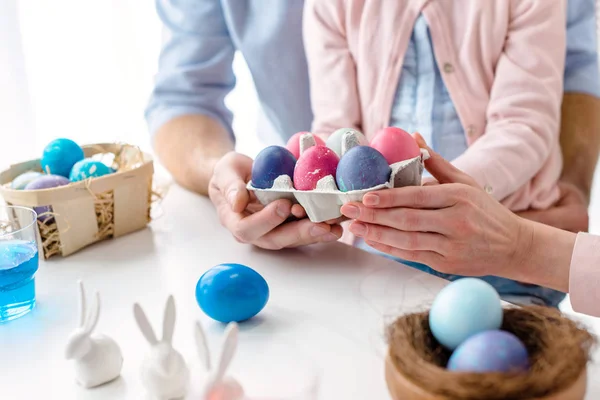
18 261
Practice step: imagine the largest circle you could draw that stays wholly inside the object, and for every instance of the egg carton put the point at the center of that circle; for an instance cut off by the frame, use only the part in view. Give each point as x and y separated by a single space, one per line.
324 203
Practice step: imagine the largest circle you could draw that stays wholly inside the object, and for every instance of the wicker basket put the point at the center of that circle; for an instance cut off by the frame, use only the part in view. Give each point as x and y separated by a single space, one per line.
89 211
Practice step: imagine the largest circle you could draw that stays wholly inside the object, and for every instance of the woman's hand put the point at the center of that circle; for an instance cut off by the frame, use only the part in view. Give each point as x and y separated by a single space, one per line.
454 227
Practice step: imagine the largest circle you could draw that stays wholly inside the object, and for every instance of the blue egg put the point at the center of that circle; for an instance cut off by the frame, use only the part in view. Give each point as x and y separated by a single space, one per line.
24 179
362 167
88 168
462 309
59 157
231 292
271 163
490 351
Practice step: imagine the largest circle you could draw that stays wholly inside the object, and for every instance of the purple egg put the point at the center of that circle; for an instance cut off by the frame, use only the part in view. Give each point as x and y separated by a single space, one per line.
46 182
271 163
490 351
362 167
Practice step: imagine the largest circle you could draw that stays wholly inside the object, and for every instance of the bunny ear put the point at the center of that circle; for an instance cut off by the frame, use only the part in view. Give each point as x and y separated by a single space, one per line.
92 320
82 304
144 325
229 346
202 346
169 320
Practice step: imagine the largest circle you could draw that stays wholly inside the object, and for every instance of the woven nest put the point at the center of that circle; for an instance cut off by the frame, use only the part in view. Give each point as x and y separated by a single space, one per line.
559 351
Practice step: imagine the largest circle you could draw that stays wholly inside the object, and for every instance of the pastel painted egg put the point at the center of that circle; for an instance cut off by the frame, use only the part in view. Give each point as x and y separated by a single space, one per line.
271 163
59 157
24 179
315 163
46 182
462 309
293 144
395 144
231 292
490 351
334 141
89 168
362 167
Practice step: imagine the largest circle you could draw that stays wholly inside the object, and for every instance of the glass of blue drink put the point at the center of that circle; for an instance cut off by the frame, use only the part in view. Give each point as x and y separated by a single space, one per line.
18 261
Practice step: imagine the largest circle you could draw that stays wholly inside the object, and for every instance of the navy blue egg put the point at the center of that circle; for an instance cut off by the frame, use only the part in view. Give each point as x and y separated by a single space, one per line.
231 292
59 157
271 163
362 167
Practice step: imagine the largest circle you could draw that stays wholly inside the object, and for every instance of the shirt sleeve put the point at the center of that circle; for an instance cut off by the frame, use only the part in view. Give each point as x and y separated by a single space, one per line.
333 87
523 114
584 275
581 69
195 71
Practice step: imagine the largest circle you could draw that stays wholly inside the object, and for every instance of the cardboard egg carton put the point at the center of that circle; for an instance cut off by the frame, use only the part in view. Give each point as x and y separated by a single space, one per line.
324 203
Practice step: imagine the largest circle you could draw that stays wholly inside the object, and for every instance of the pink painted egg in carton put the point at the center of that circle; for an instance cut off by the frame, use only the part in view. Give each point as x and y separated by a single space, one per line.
325 177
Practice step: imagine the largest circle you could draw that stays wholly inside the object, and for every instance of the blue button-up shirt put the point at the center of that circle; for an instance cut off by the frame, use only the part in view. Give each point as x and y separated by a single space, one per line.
196 74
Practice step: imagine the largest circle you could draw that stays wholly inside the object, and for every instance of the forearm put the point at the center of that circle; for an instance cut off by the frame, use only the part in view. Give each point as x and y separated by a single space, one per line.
189 146
546 254
580 139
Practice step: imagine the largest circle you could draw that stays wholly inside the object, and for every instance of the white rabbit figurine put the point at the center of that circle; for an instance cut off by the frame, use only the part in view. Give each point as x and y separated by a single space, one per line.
97 359
165 374
219 386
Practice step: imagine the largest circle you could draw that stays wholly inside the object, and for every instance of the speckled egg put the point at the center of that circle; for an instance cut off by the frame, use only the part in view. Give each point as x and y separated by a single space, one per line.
271 163
46 182
334 141
362 167
24 179
315 163
60 155
395 144
231 292
462 309
293 144
490 351
89 168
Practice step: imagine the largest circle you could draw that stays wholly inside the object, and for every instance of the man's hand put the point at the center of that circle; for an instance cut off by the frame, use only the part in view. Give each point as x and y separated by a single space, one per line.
263 226
569 213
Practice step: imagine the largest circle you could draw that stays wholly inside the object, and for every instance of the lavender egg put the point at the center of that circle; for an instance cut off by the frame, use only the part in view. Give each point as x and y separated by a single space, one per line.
46 182
490 351
362 167
271 163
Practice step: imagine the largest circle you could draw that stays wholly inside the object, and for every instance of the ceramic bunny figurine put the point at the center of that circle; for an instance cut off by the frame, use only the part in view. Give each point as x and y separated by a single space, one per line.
97 359
165 374
219 386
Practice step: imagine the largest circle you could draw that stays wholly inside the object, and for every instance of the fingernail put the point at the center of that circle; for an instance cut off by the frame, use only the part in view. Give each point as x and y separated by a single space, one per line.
317 231
351 211
283 211
359 229
330 237
231 196
371 200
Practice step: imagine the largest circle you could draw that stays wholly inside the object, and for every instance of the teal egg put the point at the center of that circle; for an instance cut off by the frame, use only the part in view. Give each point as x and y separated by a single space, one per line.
462 309
59 157
24 179
88 168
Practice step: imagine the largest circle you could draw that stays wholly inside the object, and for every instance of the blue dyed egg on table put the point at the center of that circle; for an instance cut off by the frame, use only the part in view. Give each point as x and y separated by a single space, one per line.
46 182
59 157
490 351
362 167
271 163
21 181
88 168
231 292
462 309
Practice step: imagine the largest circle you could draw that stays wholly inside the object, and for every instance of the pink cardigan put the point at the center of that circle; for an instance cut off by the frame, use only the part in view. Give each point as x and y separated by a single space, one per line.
502 62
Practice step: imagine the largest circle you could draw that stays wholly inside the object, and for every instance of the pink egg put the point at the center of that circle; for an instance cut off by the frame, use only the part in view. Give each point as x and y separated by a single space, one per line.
315 163
293 145
395 144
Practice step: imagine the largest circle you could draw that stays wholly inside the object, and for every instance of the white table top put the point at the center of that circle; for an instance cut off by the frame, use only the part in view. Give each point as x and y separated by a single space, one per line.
328 307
